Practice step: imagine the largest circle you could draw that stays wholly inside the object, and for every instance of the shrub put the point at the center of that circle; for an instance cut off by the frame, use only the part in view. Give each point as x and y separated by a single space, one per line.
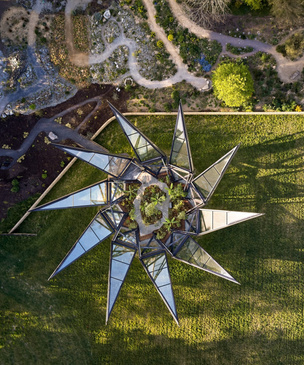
170 37
160 44
32 106
15 186
232 83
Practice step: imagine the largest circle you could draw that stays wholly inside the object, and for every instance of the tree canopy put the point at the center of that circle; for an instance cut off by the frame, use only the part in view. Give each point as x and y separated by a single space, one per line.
232 83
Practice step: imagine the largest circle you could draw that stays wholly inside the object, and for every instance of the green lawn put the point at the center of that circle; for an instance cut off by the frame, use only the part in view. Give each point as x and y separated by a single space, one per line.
62 321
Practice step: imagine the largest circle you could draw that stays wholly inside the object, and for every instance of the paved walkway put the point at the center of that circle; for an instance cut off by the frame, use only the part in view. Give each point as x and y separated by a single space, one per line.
48 125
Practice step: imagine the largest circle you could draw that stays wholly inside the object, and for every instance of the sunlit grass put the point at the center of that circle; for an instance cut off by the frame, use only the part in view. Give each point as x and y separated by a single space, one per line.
258 322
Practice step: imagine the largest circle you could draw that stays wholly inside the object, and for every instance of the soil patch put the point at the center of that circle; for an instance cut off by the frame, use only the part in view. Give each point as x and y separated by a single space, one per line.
43 162
14 24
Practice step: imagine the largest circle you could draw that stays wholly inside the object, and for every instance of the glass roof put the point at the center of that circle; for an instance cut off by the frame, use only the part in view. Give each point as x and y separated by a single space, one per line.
145 150
121 258
180 152
192 253
93 195
212 220
97 231
111 164
208 180
157 268
114 218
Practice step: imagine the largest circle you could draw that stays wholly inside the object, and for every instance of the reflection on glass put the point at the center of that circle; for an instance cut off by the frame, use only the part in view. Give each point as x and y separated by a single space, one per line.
192 253
120 262
157 268
73 255
217 219
113 165
127 236
180 152
117 190
114 288
167 293
207 180
144 149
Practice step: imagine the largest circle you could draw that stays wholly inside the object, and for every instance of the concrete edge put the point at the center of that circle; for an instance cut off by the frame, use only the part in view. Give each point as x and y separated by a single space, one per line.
71 163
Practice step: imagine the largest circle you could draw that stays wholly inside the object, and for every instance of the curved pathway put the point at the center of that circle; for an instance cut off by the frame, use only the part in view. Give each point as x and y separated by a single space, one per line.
285 67
48 125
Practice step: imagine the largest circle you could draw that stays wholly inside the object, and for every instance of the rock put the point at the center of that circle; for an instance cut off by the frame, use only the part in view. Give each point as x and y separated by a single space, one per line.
52 136
107 14
295 75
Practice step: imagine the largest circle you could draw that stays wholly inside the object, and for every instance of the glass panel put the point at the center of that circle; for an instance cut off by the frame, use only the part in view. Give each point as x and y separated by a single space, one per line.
129 237
239 216
114 217
82 198
155 264
212 176
83 155
146 153
202 184
219 219
137 140
125 125
220 165
162 277
116 165
215 267
200 257
73 255
117 190
101 229
178 145
167 293
119 270
115 286
88 239
99 193
123 254
57 204
206 220
100 161
180 155
188 250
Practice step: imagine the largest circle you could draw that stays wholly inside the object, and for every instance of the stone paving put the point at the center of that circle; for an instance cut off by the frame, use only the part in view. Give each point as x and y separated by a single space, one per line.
147 180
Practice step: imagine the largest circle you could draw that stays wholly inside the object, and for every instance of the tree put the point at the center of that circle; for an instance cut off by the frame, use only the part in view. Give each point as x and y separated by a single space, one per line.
232 83
288 10
206 12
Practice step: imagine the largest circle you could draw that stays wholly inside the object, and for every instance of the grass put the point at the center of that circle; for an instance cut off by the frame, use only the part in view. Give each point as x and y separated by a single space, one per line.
258 322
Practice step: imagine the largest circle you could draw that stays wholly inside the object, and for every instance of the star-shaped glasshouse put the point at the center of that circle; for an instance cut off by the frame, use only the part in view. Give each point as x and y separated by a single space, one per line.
153 206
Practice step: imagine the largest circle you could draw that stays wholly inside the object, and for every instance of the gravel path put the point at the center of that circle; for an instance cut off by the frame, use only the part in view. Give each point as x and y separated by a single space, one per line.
285 67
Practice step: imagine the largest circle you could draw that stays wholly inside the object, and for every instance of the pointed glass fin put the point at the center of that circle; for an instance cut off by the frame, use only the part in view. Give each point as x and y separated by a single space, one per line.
97 231
144 149
191 253
180 152
212 220
121 259
93 195
208 180
111 164
158 271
